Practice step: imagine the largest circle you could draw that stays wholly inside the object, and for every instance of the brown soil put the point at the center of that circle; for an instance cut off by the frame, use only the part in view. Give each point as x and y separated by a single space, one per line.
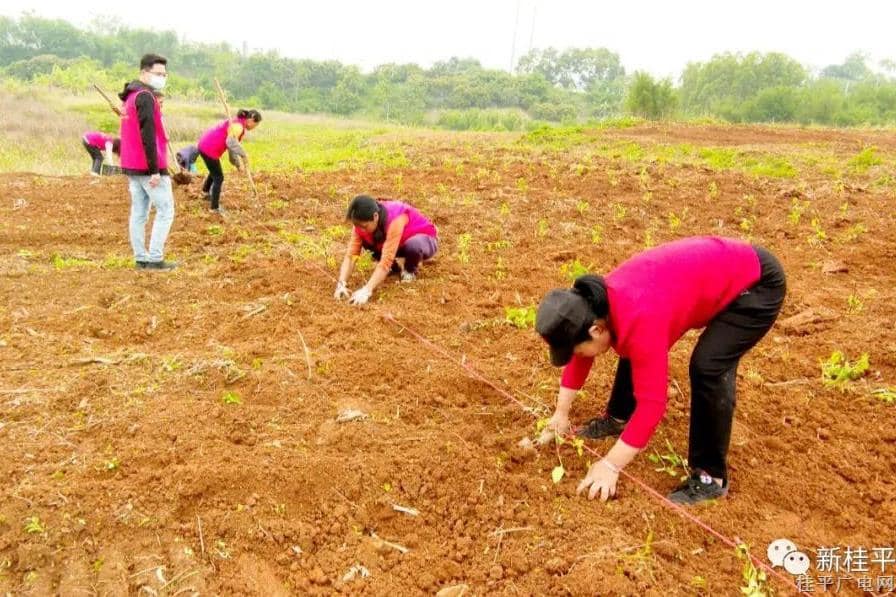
117 438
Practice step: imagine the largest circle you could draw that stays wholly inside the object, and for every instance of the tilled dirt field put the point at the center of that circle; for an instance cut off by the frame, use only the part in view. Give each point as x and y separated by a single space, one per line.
169 434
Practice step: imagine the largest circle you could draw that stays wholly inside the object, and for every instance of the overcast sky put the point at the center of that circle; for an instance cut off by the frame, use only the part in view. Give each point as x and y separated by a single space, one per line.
654 35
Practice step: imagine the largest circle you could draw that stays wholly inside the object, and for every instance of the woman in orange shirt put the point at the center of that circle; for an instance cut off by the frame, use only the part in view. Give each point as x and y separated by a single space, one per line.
388 229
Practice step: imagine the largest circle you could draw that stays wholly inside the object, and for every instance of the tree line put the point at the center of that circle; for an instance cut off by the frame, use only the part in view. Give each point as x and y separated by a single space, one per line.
548 85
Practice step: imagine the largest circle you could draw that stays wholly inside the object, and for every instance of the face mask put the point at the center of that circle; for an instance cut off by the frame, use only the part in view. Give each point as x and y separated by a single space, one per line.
157 81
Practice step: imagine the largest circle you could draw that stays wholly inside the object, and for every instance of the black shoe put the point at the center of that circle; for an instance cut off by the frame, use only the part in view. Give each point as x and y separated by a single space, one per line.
699 487
157 265
599 427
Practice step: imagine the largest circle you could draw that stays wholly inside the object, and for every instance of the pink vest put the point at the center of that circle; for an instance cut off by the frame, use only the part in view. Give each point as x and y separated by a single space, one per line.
132 155
213 142
97 139
417 223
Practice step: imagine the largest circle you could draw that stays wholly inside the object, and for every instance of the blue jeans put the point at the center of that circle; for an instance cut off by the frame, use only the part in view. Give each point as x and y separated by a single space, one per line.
142 196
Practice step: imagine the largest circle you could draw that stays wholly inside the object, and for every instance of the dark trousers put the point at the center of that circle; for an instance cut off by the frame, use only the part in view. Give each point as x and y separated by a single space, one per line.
214 181
713 367
96 155
415 250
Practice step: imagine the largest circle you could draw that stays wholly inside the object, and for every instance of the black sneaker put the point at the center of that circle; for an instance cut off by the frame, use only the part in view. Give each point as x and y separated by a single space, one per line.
699 487
599 427
157 265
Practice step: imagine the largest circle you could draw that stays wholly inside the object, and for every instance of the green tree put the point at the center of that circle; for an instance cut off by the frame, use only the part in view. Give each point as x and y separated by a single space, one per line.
650 98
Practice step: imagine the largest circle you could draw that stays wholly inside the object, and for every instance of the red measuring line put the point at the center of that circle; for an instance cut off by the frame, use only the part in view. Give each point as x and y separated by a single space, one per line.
650 490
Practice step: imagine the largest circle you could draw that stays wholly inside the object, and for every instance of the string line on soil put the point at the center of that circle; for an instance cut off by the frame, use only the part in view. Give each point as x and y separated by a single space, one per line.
643 485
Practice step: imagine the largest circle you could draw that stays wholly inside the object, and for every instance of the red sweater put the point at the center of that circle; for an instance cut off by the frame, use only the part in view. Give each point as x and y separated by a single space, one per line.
655 297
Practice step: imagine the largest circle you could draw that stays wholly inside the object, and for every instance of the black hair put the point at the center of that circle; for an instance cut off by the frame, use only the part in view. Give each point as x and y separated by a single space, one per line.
149 60
249 115
116 146
362 208
594 290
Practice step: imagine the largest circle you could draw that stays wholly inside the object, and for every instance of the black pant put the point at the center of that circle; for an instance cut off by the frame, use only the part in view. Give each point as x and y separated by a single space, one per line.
214 181
97 166
713 368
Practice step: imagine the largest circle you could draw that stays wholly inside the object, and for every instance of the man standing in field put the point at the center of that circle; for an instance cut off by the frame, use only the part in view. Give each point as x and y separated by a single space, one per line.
144 160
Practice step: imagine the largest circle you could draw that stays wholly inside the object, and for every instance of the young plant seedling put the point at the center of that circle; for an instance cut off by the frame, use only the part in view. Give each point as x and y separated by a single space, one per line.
885 395
671 463
837 371
520 317
755 581
231 398
574 269
33 525
463 247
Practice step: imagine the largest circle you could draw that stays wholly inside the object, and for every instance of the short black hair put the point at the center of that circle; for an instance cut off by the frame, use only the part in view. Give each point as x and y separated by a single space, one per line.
150 60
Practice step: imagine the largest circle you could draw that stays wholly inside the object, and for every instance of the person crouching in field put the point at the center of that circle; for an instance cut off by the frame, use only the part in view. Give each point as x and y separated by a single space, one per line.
640 309
186 158
388 229
100 146
224 136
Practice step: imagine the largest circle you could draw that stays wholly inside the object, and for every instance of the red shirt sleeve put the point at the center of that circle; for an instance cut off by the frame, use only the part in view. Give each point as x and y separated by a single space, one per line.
650 369
576 372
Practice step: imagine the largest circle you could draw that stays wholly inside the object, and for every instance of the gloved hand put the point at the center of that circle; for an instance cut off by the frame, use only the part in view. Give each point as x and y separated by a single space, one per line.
341 291
360 297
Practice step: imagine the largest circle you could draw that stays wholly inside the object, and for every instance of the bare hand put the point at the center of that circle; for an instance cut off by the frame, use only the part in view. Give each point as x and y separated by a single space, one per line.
154 180
599 480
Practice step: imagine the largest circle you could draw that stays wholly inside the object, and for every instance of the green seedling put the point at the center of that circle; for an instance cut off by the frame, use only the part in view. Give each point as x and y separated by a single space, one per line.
573 269
885 395
837 371
641 559
33 525
63 263
504 209
797 208
463 247
500 269
520 317
619 212
674 221
671 463
113 261
498 245
231 398
819 234
854 304
597 234
853 233
364 262
215 230
755 581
